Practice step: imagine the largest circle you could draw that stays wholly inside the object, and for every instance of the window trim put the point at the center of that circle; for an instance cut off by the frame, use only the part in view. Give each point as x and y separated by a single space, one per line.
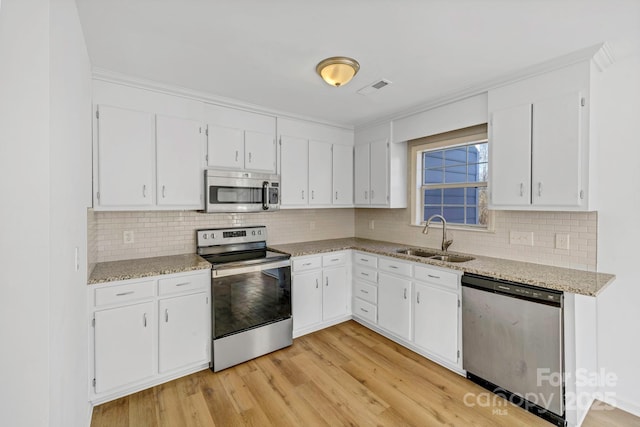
451 139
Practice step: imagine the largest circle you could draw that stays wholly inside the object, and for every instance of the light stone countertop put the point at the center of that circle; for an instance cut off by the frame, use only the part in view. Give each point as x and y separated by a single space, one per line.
545 276
145 267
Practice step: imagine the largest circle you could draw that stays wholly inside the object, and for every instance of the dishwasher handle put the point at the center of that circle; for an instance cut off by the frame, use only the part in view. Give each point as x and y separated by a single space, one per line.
514 290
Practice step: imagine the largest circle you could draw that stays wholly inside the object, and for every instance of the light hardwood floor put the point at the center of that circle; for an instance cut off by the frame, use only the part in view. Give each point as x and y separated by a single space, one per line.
343 375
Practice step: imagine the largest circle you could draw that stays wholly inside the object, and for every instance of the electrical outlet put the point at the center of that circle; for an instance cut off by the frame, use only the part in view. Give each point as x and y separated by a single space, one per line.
371 224
127 237
524 238
562 241
312 225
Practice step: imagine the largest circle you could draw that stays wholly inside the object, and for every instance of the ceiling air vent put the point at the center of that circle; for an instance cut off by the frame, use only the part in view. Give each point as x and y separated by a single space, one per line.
374 87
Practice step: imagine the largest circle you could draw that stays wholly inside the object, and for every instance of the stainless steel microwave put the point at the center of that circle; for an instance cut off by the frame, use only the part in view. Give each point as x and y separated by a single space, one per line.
231 191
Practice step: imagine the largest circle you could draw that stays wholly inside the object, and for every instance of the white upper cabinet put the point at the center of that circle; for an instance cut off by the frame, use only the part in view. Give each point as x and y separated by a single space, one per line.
125 158
320 173
179 145
316 165
380 176
342 175
541 141
240 140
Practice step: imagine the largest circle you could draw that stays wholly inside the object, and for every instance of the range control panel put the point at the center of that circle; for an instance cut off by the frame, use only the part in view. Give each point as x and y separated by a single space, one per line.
228 236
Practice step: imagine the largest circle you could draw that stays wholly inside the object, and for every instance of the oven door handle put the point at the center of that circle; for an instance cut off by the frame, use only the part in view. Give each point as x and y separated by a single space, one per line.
265 195
231 271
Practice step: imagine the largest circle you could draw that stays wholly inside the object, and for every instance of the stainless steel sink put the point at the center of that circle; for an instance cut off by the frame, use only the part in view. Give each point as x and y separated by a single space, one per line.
438 256
452 258
418 252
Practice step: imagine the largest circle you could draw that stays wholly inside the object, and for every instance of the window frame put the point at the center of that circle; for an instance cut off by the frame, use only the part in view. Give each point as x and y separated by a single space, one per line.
457 138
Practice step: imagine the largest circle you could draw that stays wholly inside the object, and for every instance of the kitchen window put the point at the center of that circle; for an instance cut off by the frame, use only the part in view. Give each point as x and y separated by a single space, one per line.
450 173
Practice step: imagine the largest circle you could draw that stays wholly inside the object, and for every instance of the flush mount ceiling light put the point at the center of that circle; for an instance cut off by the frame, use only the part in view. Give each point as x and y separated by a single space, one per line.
337 70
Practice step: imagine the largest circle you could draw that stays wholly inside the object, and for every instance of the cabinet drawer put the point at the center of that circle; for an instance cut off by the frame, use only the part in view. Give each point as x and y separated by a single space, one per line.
395 267
366 292
124 293
439 277
303 264
339 258
365 273
365 310
188 283
365 259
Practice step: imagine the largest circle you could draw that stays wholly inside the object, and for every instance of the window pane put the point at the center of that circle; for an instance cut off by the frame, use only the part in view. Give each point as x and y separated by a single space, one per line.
432 197
431 210
479 153
455 174
472 216
432 159
472 196
455 156
454 215
454 196
433 176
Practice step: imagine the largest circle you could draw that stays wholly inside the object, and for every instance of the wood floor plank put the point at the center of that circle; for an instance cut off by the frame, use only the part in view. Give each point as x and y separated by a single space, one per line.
345 375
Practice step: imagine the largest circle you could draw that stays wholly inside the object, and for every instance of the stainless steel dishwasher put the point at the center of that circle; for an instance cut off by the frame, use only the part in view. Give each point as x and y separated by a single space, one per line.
512 339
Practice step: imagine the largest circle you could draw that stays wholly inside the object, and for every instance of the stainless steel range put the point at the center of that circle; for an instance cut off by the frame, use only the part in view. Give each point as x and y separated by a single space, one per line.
251 290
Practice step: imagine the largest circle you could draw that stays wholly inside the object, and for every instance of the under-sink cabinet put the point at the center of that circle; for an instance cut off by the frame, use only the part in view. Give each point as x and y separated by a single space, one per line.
414 304
320 291
148 331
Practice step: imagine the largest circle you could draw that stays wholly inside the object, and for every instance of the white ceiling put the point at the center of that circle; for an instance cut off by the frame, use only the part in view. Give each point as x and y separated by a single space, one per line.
264 52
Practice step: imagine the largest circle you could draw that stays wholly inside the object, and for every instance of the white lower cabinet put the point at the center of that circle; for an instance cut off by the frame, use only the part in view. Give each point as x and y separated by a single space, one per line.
320 292
146 332
124 350
394 305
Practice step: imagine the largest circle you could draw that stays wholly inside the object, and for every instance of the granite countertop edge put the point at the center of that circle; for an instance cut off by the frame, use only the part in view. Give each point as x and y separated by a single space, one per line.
551 277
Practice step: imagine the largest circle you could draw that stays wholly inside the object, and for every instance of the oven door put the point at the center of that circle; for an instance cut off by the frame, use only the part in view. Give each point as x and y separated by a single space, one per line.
248 297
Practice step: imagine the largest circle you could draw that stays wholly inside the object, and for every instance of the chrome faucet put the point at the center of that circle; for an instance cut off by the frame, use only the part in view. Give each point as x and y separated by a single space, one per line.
445 243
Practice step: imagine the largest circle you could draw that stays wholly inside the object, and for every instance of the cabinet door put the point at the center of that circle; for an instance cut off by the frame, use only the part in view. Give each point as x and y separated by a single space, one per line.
306 294
294 158
225 147
259 151
320 166
379 172
556 151
334 292
361 174
124 346
510 151
180 154
342 175
436 321
125 157
184 324
394 305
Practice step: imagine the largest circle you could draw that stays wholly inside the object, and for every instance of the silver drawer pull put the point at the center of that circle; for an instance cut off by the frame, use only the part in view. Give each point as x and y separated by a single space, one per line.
166 314
316 283
125 293
405 293
362 309
363 291
306 264
183 284
418 298
335 260
393 266
365 274
364 260
433 277
144 320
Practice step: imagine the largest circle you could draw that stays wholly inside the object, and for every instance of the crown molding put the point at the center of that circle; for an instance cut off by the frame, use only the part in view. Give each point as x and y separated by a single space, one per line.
600 54
110 76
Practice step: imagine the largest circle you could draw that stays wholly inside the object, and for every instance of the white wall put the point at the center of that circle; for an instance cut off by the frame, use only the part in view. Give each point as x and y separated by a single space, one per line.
619 229
70 189
24 213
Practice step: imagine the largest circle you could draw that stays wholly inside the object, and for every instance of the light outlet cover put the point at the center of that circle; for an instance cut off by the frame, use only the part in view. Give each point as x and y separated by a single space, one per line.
562 241
127 237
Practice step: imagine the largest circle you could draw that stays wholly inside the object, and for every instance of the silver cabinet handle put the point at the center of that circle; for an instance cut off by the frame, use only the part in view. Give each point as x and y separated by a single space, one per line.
163 192
121 294
365 274
362 309
335 259
363 291
302 194
540 189
183 284
394 267
364 260
336 195
144 191
313 194
373 194
306 264
521 189
236 155
365 195
144 319
316 283
166 315
405 293
418 298
433 277
327 281
249 156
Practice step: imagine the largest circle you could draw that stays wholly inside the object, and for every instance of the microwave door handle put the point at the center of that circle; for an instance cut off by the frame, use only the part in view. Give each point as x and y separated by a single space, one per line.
265 195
